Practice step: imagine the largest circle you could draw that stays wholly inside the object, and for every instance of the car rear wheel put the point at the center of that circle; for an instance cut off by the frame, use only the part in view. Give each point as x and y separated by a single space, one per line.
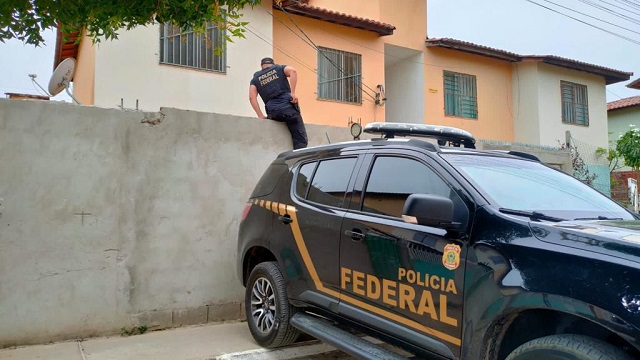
267 307
567 347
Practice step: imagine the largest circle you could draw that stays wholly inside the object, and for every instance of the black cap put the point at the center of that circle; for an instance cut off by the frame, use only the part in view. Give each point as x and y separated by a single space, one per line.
266 60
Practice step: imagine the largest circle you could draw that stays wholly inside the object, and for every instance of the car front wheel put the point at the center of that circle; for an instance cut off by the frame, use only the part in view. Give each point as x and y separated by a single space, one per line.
567 347
267 307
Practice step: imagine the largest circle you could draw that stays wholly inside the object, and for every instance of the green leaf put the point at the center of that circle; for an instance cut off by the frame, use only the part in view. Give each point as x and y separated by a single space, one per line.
26 19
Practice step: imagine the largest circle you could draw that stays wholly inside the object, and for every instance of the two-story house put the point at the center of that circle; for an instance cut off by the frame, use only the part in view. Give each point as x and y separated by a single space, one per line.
359 59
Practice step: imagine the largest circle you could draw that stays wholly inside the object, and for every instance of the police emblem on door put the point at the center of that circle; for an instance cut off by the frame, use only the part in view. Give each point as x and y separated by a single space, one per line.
451 256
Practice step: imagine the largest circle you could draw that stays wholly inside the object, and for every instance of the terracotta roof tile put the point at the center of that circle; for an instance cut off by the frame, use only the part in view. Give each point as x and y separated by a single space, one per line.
583 66
635 84
473 48
611 75
623 103
65 48
303 9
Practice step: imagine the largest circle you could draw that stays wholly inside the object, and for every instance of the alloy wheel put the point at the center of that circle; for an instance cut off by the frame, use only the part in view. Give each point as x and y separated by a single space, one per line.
263 306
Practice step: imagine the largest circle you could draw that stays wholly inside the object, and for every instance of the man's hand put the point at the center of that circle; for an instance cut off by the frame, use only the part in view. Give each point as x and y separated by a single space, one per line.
294 98
253 99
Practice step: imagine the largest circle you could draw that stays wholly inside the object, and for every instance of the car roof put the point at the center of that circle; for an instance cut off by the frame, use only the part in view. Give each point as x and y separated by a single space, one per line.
408 143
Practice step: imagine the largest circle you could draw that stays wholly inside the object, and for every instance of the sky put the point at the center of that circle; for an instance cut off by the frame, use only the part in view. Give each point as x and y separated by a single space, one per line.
18 60
513 25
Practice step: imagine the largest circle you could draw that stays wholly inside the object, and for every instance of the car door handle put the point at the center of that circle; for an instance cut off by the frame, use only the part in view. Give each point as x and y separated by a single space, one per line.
286 219
355 234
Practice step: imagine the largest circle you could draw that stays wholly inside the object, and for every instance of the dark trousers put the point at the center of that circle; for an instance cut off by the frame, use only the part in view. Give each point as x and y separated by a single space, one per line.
291 116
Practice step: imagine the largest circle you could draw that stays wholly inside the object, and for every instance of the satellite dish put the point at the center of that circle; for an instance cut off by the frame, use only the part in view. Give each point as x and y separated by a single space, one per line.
62 76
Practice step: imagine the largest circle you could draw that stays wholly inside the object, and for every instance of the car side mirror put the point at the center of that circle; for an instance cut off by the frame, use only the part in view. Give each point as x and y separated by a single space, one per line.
429 210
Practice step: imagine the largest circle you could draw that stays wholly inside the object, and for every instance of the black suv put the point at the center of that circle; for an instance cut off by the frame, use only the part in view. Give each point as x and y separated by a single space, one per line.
445 251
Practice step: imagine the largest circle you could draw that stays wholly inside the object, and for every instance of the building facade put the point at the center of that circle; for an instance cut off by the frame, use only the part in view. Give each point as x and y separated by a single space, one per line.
358 60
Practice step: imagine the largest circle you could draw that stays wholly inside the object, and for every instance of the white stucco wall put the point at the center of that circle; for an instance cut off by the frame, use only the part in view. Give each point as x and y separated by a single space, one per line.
526 111
129 68
539 106
405 90
552 128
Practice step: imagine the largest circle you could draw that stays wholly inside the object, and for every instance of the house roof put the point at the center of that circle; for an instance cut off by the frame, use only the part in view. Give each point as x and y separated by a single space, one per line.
611 76
12 95
472 48
623 103
635 84
303 9
65 47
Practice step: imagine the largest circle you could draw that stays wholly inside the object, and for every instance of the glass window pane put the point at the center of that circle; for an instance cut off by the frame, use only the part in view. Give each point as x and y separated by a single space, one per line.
304 175
531 186
393 179
339 75
186 48
460 95
330 182
575 103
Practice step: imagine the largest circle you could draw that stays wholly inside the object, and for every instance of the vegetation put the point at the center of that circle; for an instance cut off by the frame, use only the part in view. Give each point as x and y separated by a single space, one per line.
615 162
25 19
580 168
136 330
628 147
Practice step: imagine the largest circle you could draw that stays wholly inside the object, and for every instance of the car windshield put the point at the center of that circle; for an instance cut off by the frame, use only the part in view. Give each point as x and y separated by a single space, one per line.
517 184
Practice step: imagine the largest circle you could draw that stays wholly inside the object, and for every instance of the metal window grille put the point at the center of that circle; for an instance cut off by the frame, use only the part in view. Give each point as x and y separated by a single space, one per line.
339 75
575 103
460 95
185 47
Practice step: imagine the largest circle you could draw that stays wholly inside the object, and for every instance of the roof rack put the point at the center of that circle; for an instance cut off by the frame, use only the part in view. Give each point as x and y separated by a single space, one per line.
454 136
522 154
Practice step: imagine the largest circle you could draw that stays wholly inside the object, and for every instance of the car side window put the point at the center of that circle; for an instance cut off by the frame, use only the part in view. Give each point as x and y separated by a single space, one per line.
330 181
304 179
393 179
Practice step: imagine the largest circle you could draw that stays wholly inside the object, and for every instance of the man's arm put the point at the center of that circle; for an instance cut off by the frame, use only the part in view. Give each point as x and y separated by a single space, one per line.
292 74
253 99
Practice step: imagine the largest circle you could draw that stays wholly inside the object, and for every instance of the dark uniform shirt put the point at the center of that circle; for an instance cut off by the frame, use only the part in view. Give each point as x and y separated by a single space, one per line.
273 87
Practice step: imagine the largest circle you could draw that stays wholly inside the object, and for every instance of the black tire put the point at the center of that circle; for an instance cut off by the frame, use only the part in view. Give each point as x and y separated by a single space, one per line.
268 319
567 347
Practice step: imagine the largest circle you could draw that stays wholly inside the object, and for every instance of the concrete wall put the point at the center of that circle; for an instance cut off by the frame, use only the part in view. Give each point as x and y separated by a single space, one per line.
129 68
111 219
560 159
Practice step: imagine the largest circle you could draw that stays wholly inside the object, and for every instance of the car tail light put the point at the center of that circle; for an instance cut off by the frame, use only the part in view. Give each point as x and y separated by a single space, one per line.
247 207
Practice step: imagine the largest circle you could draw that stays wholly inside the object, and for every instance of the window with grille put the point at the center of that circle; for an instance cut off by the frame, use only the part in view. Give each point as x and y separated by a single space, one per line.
184 47
460 95
575 103
339 76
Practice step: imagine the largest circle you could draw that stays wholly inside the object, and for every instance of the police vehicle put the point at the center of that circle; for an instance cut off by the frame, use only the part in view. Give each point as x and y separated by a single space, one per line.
448 252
